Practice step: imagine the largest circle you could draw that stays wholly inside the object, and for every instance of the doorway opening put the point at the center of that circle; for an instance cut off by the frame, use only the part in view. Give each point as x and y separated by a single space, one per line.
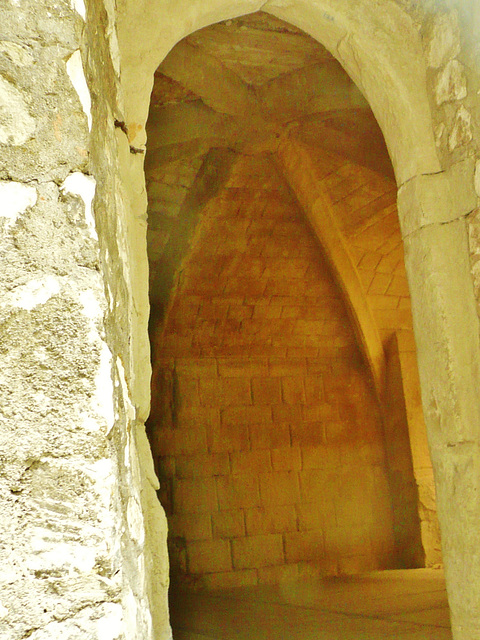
287 443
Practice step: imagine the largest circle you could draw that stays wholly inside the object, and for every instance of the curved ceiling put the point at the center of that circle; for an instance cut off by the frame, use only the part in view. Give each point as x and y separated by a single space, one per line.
245 85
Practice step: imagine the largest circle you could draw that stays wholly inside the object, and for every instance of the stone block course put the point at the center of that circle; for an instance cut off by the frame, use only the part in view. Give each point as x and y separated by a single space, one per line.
237 492
286 459
273 519
205 556
230 579
251 462
195 495
293 390
196 526
279 488
202 465
231 435
257 551
266 391
228 524
225 392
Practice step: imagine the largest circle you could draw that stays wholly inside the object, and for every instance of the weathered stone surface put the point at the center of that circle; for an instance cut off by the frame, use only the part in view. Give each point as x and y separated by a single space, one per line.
44 92
436 198
73 560
16 124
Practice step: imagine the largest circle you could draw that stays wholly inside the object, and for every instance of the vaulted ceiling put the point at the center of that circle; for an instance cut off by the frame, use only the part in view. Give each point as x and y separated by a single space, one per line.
245 86
246 81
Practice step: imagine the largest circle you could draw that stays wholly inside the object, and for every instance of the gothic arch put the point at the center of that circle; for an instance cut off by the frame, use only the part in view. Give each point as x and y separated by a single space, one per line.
384 54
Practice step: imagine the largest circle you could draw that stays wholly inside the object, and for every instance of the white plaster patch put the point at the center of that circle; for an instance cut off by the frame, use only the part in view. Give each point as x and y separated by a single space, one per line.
89 424
110 625
16 124
91 305
103 398
451 83
15 198
16 53
130 409
79 6
77 77
79 184
33 294
130 607
3 611
50 552
477 178
462 129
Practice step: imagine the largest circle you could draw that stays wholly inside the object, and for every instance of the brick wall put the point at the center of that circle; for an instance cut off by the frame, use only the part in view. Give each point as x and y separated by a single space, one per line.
264 426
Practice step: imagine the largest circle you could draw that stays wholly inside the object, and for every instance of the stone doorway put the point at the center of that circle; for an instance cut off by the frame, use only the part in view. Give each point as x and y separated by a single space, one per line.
285 399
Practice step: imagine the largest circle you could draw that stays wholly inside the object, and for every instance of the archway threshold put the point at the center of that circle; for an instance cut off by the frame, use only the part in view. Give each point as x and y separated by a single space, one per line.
405 605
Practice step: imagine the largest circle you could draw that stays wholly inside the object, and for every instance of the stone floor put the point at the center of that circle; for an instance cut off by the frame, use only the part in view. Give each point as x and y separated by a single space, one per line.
405 605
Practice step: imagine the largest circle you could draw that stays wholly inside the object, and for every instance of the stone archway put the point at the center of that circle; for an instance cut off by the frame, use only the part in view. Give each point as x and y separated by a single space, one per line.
387 58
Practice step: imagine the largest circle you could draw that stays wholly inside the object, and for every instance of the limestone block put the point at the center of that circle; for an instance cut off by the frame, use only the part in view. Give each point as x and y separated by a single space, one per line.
195 496
250 462
279 488
230 579
439 197
237 492
228 524
257 551
446 333
304 545
191 527
278 575
272 519
41 133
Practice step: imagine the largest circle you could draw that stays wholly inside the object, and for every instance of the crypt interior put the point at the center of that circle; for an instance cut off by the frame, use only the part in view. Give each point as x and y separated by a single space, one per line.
286 422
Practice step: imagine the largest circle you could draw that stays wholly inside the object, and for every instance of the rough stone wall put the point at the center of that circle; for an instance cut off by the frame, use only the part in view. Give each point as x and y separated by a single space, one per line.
74 561
269 442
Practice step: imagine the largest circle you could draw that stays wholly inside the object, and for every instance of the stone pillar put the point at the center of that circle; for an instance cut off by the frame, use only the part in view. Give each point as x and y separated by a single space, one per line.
432 211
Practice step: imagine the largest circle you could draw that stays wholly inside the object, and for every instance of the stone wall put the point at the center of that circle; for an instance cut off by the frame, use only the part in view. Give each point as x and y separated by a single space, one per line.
74 556
61 449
